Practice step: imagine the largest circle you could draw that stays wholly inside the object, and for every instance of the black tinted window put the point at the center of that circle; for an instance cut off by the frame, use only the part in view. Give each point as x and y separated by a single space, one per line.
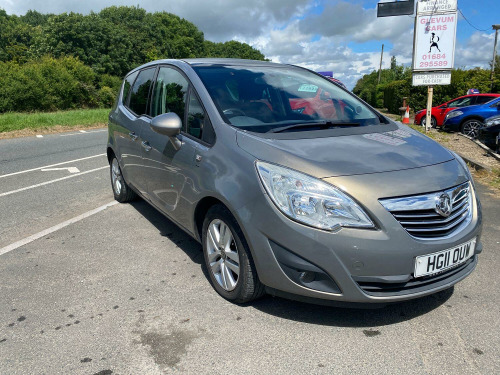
169 93
140 91
484 99
129 81
196 117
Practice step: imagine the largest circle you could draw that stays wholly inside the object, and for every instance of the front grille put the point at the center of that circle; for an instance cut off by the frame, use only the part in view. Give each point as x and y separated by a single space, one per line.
419 216
380 289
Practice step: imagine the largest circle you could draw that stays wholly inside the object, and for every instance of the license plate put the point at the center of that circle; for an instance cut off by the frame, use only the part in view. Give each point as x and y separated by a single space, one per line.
443 260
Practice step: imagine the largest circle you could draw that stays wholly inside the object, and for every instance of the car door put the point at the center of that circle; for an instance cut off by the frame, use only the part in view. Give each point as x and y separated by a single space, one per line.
134 118
170 172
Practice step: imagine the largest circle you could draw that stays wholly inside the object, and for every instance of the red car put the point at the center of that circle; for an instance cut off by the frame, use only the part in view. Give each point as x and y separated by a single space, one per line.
439 113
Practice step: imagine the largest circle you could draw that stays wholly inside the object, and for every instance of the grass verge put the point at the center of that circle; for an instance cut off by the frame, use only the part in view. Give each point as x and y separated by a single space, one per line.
18 124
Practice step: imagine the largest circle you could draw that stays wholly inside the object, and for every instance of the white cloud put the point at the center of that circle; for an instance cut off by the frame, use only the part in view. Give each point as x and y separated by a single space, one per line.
291 31
477 51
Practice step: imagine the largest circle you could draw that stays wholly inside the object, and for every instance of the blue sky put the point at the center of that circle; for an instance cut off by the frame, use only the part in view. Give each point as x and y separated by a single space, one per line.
338 35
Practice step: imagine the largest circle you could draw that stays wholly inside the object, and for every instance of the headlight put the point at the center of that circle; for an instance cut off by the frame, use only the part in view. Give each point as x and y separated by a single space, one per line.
309 200
453 114
492 121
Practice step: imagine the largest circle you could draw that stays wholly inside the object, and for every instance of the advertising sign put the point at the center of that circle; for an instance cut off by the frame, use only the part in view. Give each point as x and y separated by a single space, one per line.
436 6
434 47
431 78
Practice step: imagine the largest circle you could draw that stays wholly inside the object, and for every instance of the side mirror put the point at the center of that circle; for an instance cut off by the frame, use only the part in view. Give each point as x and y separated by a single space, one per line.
168 124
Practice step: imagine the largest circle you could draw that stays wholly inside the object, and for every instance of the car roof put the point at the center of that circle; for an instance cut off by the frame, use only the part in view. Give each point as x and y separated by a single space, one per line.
213 62
229 62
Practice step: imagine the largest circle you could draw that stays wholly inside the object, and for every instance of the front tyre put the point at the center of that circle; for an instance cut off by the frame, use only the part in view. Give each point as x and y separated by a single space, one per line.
471 128
121 191
227 257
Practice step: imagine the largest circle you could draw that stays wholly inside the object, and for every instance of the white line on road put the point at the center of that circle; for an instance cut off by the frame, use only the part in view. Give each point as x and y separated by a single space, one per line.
49 166
51 181
45 232
83 132
39 136
69 169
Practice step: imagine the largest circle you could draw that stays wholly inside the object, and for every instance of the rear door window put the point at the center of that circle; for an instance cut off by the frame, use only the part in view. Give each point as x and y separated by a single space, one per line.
139 94
484 99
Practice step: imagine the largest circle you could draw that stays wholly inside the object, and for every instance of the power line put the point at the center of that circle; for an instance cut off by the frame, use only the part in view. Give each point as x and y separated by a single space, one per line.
465 18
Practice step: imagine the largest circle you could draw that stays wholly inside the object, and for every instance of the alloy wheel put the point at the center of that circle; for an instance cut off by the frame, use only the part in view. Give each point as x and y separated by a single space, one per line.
223 257
471 128
116 177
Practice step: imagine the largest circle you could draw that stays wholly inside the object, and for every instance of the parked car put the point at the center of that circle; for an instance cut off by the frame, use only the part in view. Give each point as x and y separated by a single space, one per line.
344 207
469 120
439 113
489 134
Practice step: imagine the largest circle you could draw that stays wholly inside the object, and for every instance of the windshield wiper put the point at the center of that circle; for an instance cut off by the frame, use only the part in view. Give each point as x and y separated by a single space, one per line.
321 125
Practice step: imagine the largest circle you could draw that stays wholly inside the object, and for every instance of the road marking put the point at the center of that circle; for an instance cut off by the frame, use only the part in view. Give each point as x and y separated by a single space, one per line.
83 132
69 169
39 136
51 181
45 232
52 165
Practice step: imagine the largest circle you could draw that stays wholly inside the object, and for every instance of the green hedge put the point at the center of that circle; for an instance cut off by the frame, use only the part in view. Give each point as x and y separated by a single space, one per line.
50 84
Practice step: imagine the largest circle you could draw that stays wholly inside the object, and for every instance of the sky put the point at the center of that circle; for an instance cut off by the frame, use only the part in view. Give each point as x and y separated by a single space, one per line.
336 35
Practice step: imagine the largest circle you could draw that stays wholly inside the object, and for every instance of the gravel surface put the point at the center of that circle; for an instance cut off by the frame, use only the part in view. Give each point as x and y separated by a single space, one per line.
465 147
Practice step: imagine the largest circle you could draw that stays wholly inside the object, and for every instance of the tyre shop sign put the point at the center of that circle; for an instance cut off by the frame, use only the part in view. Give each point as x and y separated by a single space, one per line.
434 46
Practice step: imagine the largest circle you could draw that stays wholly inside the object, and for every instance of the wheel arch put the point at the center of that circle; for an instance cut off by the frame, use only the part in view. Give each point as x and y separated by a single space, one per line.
201 211
110 153
471 117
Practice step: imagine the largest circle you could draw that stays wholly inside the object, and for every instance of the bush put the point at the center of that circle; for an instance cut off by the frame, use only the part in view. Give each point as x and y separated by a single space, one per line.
106 96
394 93
47 84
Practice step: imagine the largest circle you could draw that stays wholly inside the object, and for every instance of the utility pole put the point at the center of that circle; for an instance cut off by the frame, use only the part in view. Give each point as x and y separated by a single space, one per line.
380 68
495 27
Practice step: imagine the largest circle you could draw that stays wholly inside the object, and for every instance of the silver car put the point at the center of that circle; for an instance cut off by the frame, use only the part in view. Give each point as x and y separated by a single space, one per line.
293 185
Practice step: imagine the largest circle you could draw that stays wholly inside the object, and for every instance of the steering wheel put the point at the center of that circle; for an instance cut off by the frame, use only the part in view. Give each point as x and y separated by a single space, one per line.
231 112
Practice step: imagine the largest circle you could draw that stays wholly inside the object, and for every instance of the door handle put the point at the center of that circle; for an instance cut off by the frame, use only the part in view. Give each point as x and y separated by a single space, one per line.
133 136
146 146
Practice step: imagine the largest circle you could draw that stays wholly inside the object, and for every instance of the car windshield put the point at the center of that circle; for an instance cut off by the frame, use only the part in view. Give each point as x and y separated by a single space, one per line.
261 99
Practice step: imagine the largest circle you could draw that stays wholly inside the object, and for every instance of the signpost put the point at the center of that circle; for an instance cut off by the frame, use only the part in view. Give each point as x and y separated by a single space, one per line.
434 46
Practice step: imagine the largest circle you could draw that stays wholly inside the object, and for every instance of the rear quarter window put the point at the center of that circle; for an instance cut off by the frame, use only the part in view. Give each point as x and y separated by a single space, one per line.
127 84
139 93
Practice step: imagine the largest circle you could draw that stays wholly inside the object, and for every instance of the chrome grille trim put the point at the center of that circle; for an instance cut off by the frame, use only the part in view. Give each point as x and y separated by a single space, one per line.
419 217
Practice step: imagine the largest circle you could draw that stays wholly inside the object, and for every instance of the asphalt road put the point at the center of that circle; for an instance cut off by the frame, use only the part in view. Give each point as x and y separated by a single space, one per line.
120 290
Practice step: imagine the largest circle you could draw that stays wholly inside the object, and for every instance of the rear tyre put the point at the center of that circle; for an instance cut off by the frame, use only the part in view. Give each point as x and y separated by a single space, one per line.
433 122
471 128
228 259
122 192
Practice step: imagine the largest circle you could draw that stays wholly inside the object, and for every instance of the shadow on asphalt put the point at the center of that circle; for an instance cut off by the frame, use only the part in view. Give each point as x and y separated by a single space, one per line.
351 317
294 310
170 230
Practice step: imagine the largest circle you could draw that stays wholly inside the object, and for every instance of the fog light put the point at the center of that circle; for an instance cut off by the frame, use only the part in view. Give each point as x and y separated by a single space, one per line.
307 277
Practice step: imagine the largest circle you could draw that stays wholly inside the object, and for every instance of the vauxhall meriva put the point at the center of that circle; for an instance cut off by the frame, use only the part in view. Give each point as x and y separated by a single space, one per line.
292 184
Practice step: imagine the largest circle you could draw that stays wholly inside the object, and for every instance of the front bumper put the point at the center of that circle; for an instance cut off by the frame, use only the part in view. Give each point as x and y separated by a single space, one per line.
452 124
358 263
